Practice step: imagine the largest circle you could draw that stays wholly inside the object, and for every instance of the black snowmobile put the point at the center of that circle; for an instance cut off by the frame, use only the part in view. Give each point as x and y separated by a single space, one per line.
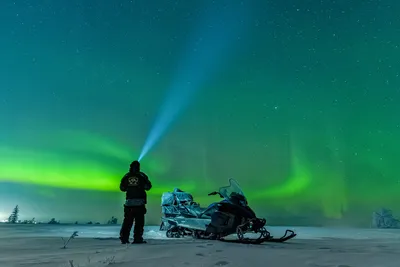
230 216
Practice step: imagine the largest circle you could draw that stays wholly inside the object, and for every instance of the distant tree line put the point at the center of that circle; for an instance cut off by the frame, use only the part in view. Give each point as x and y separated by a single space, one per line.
14 218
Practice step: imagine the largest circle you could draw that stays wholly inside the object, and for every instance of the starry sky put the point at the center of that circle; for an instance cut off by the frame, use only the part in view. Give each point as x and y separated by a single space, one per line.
296 101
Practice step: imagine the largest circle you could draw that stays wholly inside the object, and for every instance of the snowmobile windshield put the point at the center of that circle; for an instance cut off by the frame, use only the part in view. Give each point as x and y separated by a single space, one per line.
233 191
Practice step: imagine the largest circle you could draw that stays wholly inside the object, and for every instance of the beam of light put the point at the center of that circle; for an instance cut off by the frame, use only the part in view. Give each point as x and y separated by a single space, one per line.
210 46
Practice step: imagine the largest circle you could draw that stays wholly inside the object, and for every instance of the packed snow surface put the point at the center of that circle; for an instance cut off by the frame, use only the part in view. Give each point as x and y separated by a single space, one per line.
41 245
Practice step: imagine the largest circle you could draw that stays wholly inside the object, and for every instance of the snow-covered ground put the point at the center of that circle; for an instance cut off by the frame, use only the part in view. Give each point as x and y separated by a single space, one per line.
40 245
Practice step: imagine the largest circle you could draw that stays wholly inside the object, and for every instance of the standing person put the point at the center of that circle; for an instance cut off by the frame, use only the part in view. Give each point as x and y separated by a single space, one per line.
135 183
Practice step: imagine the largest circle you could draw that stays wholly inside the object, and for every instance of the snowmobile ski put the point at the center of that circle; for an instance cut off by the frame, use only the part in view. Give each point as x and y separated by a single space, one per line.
248 241
282 239
257 241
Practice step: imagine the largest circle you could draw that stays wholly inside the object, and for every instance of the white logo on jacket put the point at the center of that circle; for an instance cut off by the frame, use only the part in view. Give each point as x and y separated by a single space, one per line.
133 181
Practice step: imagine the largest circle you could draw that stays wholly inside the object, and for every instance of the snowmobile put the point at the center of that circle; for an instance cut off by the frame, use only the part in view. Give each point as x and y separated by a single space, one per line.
230 216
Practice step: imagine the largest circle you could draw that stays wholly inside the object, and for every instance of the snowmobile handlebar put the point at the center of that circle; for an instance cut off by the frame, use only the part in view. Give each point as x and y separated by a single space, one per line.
215 193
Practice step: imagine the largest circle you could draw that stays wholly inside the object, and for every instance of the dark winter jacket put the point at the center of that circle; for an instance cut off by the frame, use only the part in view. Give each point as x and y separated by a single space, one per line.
135 184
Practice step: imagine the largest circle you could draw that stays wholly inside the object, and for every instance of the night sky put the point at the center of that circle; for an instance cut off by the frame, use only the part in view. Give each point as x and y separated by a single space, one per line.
296 100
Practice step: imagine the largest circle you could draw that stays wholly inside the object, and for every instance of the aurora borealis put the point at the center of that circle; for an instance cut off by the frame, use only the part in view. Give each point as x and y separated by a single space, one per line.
304 113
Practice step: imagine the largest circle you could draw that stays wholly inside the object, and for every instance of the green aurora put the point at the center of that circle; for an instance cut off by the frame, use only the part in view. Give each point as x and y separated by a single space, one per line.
304 116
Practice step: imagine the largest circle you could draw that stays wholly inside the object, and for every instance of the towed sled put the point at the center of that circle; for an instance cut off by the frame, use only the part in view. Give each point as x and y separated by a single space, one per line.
220 220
